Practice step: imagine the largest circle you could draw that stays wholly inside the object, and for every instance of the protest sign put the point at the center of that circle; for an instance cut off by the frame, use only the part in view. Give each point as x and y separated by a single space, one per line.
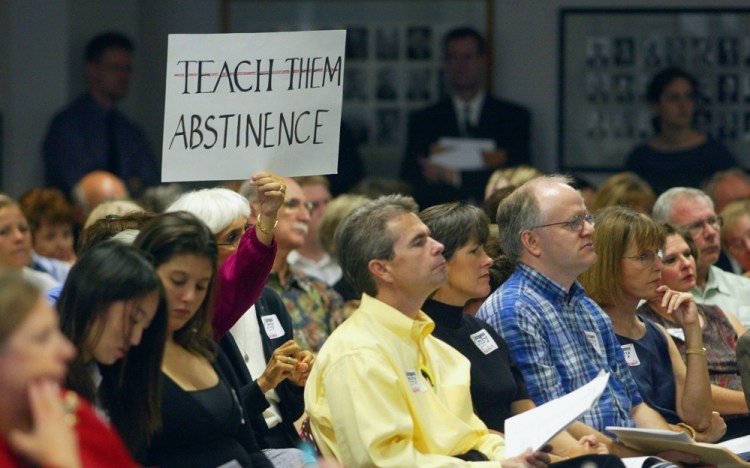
237 104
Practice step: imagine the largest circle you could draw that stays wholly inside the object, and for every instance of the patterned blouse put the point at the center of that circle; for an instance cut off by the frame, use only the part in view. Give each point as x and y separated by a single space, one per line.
719 339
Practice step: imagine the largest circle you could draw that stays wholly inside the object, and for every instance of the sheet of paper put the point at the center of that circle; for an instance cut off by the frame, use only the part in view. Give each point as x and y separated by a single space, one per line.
534 428
738 445
654 434
656 441
463 153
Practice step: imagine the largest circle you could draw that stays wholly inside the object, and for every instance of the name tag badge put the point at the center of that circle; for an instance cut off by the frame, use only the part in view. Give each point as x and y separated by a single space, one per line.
678 333
594 341
631 357
483 340
415 383
272 326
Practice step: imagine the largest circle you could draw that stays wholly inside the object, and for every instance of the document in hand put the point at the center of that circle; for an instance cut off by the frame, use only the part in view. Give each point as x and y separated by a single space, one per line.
655 441
534 428
464 154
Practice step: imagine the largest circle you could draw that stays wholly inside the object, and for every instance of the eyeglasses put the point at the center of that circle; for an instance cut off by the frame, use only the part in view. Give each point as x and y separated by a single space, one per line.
574 224
647 259
295 203
234 238
698 227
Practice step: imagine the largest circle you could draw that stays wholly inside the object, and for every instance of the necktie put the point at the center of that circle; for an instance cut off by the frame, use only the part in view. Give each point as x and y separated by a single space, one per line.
113 156
468 129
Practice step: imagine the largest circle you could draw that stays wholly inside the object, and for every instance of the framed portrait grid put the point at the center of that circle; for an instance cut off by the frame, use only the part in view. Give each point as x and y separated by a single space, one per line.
608 57
393 58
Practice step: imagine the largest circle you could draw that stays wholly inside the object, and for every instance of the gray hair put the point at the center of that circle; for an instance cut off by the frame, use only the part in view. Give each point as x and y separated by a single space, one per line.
663 207
363 236
217 207
117 207
521 211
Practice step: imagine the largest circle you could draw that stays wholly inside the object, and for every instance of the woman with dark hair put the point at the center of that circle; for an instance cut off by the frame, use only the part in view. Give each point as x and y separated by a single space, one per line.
678 154
112 309
40 424
628 270
497 387
262 338
204 423
720 331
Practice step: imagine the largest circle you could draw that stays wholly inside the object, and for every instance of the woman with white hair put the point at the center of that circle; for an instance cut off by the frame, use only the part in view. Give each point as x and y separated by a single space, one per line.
260 358
246 249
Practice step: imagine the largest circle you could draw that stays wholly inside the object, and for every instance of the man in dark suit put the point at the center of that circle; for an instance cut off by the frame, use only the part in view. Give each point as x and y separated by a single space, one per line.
91 134
469 112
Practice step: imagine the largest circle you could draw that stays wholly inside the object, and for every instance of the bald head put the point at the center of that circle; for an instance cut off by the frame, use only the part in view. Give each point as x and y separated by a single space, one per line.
96 187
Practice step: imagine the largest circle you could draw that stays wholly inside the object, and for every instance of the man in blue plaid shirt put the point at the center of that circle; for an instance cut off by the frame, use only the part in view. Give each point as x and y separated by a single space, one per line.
559 337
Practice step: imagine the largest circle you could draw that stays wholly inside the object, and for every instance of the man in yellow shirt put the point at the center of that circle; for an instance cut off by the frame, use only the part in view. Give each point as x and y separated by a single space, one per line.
384 391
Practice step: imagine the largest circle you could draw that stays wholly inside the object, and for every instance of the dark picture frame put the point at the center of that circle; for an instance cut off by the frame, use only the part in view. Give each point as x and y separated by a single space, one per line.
608 56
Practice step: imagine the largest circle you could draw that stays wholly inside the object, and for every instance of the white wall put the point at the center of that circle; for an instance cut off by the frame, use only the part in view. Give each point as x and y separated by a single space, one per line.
34 59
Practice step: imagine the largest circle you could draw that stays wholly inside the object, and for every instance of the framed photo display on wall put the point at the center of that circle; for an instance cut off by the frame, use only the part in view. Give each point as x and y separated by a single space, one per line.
393 58
608 57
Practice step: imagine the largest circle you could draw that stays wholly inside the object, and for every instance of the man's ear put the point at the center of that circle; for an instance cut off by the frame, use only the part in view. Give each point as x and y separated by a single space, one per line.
530 242
379 269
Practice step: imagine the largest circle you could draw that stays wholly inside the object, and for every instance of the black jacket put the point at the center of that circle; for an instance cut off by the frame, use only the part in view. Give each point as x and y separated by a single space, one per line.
291 397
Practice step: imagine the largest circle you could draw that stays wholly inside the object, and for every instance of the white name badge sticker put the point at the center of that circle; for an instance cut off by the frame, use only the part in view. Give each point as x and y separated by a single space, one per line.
631 357
594 340
272 326
483 340
415 383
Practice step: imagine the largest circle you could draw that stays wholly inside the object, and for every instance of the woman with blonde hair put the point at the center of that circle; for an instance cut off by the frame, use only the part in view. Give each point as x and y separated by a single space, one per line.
629 247
510 176
624 189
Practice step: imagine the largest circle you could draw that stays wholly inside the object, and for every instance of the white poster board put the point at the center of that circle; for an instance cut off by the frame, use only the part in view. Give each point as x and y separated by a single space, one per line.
237 104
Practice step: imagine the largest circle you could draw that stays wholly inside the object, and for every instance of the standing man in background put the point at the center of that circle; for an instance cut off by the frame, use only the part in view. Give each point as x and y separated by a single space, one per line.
91 134
468 112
